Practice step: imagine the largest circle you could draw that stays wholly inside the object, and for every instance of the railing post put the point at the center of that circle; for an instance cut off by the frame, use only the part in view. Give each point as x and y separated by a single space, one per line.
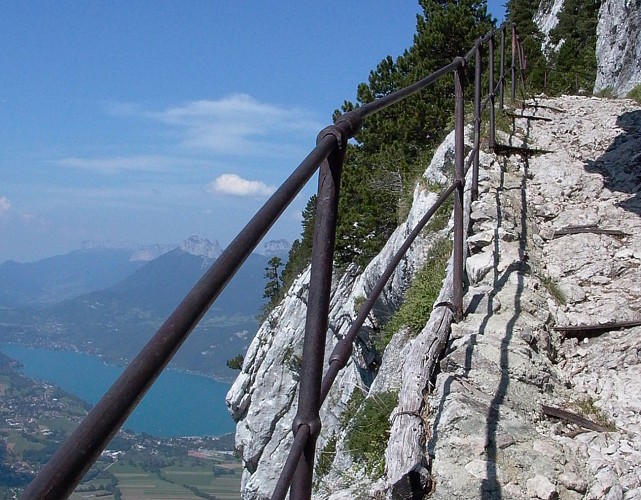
523 62
478 68
309 400
492 96
502 73
513 69
459 147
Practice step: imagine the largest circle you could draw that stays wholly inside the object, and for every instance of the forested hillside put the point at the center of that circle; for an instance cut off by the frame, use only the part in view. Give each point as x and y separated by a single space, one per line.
395 146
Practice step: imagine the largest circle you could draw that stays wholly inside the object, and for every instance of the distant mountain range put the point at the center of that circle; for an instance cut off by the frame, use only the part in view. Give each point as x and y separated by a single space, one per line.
100 301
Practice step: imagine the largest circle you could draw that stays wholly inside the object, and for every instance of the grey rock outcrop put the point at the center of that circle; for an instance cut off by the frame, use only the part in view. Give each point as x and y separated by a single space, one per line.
618 49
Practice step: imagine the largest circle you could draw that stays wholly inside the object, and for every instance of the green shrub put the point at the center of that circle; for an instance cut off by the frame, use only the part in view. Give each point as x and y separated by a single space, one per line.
326 458
236 363
420 296
369 432
635 94
354 403
554 289
606 93
590 411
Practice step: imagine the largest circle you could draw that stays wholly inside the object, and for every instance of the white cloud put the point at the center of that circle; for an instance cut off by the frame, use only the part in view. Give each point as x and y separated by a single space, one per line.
237 125
235 185
4 205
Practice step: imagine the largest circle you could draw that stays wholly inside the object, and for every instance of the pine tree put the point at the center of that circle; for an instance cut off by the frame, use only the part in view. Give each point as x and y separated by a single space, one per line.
575 34
394 145
521 13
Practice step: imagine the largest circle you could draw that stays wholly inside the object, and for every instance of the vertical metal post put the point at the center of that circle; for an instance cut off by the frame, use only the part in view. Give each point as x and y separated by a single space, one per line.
502 73
513 69
478 63
459 147
491 88
309 400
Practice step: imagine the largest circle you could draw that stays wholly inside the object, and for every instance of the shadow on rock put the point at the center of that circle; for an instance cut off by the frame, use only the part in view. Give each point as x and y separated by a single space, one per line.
620 165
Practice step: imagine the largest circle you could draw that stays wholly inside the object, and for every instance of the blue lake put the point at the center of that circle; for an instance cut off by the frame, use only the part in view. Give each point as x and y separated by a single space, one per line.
178 404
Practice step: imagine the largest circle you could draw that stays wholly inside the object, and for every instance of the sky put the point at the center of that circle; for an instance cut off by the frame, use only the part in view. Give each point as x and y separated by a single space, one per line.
143 122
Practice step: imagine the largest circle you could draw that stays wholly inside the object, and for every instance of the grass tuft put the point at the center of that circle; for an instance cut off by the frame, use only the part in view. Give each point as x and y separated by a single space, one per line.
635 94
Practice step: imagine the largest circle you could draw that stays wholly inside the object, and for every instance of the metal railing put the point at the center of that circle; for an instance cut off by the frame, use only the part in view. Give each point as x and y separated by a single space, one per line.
75 456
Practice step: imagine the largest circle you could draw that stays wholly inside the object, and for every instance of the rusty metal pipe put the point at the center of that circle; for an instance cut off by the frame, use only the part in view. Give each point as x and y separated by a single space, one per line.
478 68
399 95
502 72
459 151
295 452
492 141
320 283
513 69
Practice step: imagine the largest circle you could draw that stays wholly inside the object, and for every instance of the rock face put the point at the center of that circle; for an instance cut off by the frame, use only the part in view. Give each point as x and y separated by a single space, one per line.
618 49
546 19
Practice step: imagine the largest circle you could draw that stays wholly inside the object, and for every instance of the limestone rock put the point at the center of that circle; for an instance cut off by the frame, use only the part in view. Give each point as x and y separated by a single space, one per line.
618 48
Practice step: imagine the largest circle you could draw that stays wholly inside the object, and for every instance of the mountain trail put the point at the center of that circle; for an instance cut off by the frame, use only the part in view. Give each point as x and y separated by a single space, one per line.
527 403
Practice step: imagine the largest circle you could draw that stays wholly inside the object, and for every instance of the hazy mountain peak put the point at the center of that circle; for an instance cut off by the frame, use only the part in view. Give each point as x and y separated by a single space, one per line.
276 248
201 247
148 253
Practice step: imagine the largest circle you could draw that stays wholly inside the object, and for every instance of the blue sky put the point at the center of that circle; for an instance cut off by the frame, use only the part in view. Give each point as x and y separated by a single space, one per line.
147 122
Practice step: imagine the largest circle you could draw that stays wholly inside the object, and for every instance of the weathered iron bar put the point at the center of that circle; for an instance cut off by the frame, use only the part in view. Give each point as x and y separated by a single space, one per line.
528 117
492 140
291 464
613 325
513 68
502 71
384 102
589 229
501 149
320 284
478 68
459 176
569 416
479 42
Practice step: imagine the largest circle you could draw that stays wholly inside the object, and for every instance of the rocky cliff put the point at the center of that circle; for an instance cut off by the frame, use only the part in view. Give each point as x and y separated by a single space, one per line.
520 407
262 400
618 47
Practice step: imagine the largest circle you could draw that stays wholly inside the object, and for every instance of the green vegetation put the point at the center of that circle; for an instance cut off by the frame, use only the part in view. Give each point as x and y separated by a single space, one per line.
589 410
635 94
325 458
553 289
353 404
395 145
236 363
369 432
420 296
606 93
570 64
274 289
